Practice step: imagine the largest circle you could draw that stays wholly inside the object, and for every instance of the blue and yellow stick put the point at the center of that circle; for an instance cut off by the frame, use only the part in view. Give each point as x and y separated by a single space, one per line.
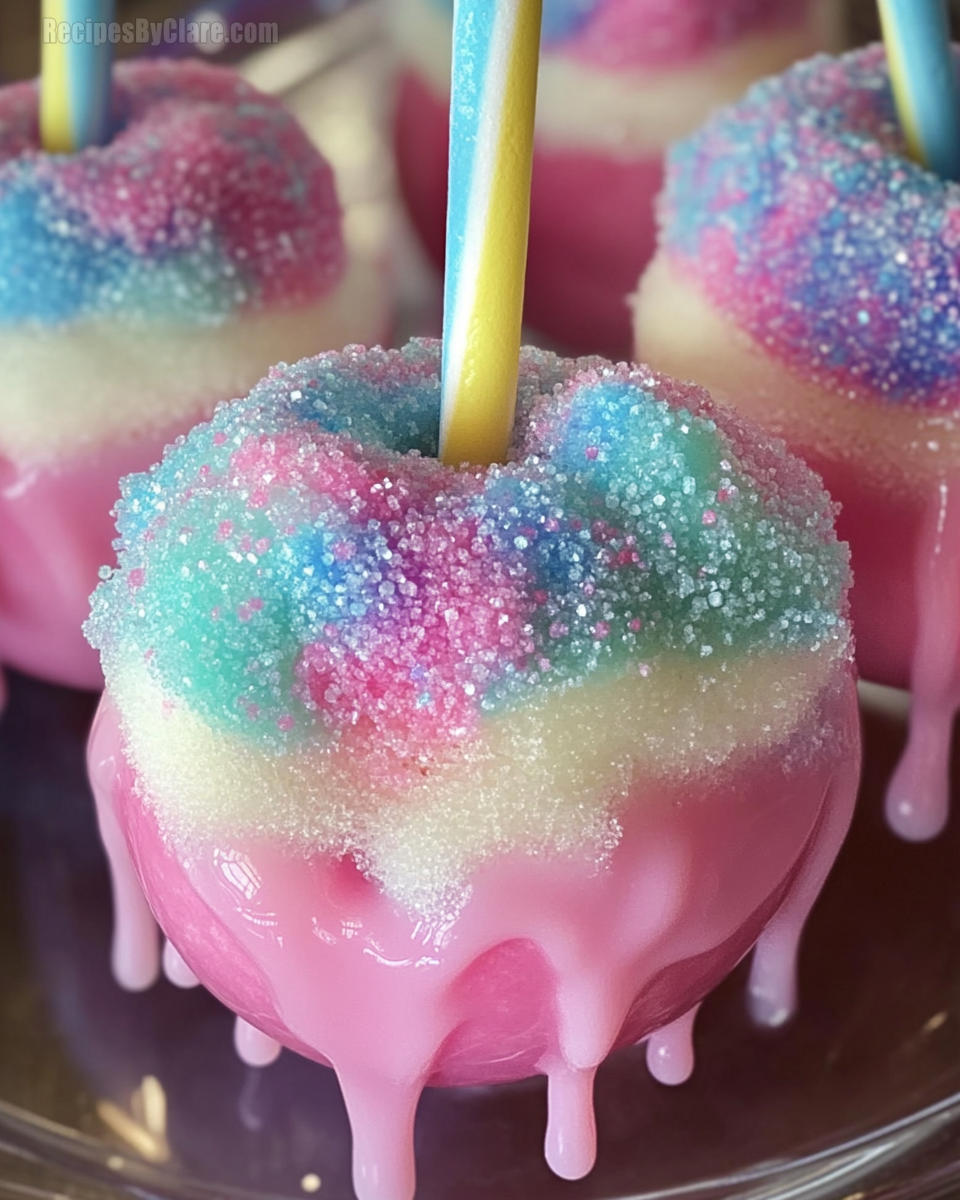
496 46
924 77
75 65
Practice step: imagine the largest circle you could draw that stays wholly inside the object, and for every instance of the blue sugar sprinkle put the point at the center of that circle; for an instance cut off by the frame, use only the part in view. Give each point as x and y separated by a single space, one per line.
800 214
54 269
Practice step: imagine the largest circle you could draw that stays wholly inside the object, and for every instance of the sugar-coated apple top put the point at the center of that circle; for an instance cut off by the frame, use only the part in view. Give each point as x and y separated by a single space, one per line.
655 34
300 580
209 200
800 214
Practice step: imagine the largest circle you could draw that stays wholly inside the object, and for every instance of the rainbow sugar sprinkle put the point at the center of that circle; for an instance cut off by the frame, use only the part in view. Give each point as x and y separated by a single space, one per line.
301 567
800 215
208 201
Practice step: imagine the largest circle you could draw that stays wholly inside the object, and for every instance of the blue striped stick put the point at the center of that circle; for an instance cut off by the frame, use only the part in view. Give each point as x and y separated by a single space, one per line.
923 73
75 74
496 47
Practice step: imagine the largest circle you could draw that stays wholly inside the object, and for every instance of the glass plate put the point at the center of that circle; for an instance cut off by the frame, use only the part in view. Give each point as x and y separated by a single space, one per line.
105 1094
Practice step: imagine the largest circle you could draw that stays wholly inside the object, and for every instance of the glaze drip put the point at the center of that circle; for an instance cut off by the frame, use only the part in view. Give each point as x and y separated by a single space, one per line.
918 797
580 961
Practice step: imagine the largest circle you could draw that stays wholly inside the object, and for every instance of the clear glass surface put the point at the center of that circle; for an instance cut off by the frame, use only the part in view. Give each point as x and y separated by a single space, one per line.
105 1094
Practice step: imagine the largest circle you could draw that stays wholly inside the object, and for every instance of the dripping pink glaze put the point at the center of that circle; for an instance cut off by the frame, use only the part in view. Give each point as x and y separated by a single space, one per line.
549 966
905 609
918 799
670 1050
592 225
55 534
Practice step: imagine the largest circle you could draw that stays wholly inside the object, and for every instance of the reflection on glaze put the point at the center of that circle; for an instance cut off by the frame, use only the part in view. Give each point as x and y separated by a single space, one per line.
550 965
175 969
670 1050
254 1048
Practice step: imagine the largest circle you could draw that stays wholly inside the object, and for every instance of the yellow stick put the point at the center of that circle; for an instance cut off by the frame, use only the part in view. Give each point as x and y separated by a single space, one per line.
493 103
55 131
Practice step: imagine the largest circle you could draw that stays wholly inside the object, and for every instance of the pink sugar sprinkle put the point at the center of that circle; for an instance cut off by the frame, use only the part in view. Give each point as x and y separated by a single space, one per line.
407 683
246 610
135 578
202 154
285 723
224 530
375 487
709 517
635 625
601 630
321 462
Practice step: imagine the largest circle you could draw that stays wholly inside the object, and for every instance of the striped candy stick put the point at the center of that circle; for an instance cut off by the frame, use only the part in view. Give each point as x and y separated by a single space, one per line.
74 76
924 78
496 45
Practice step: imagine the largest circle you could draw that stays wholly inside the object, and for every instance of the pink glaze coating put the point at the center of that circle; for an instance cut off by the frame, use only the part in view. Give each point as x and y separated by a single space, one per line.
550 965
884 602
56 527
